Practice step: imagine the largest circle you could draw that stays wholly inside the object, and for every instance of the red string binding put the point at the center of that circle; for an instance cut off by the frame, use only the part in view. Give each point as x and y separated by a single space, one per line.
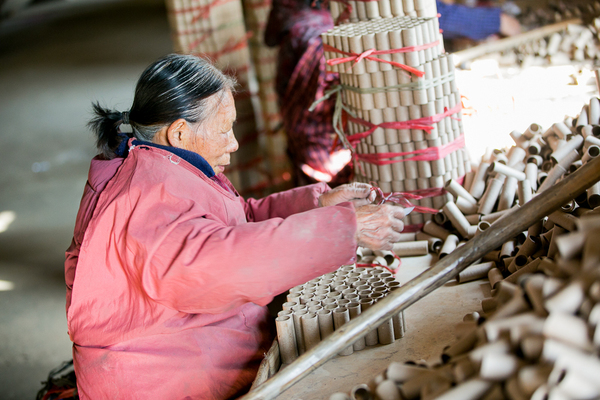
368 54
424 123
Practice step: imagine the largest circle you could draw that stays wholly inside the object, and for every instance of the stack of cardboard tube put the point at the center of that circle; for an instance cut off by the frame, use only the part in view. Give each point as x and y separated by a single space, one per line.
406 129
538 335
317 308
364 10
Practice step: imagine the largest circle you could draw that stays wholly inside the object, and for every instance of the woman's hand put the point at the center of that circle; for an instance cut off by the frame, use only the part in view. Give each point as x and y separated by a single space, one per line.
359 194
379 226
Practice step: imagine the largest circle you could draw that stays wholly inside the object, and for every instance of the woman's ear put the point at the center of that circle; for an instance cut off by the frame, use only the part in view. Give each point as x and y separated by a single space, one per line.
179 134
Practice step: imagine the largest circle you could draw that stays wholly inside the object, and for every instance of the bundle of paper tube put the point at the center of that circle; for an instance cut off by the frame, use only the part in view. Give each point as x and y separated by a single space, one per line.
398 107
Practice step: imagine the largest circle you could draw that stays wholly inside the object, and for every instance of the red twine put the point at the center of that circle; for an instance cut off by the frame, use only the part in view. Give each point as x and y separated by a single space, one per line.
368 54
401 198
424 123
428 154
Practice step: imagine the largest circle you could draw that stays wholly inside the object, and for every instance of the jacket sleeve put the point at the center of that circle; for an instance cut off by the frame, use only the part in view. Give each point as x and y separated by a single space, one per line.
199 265
286 203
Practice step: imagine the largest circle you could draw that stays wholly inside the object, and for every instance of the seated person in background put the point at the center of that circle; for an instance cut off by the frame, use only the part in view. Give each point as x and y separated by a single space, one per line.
296 26
475 23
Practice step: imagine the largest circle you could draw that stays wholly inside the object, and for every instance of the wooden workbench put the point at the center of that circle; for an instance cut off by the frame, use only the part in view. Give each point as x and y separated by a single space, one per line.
430 327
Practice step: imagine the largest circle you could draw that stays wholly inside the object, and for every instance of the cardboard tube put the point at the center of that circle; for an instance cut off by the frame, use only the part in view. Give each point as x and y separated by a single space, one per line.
435 230
409 249
568 329
354 310
341 316
473 219
574 144
507 171
478 185
457 218
387 390
450 244
286 338
371 337
474 272
524 191
470 390
497 366
495 276
458 191
507 196
487 202
310 330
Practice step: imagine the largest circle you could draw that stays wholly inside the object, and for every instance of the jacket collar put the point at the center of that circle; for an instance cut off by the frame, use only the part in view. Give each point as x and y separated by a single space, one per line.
193 158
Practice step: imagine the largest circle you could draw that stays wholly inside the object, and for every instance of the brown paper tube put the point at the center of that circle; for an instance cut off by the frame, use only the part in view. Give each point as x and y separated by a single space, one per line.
524 191
592 152
440 218
469 390
361 392
531 377
507 171
574 144
487 202
340 317
495 276
289 304
294 297
310 330
563 219
489 305
491 218
285 313
458 191
507 196
464 369
339 395
529 268
387 390
482 226
474 272
300 342
286 338
567 300
435 230
400 373
457 219
531 347
354 310
450 243
516 155
478 185
371 338
409 249
368 40
568 329
473 219
593 195
497 366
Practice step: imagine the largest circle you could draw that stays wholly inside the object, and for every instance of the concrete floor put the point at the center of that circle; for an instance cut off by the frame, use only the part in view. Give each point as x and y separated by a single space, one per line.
53 64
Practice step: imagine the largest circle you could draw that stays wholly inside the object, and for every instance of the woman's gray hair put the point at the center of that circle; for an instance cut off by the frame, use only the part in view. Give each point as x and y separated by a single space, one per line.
176 86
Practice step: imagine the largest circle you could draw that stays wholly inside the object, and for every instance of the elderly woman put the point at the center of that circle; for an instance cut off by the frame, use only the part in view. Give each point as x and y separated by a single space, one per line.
170 269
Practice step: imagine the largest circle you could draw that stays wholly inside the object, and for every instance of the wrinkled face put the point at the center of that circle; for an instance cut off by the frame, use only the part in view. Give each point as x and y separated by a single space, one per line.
214 139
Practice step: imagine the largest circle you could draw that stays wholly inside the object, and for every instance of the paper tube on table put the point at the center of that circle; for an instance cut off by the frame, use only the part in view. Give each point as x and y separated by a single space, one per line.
435 230
457 218
450 243
478 185
310 330
371 338
408 249
286 338
474 272
487 202
459 191
340 317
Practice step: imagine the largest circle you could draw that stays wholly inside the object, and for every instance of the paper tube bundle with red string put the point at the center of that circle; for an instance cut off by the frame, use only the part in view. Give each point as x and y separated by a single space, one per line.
400 108
215 29
350 11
